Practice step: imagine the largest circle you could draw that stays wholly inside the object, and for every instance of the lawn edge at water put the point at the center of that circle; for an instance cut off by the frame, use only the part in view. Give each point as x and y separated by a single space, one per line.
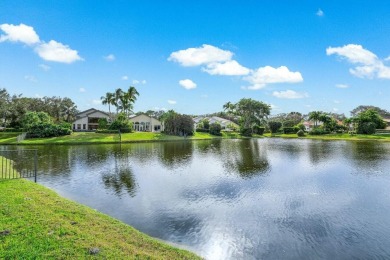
334 137
35 222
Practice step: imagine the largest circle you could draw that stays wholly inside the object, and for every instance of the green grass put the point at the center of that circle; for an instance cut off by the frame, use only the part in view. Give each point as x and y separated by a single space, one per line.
8 137
379 137
36 223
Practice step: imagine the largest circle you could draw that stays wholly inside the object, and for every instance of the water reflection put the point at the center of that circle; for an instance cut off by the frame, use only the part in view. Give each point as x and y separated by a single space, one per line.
175 154
121 180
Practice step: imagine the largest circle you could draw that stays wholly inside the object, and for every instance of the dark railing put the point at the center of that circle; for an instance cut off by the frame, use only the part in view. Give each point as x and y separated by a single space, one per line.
16 164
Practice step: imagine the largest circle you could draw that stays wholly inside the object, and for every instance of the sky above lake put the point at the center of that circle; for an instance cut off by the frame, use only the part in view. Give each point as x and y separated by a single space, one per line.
194 56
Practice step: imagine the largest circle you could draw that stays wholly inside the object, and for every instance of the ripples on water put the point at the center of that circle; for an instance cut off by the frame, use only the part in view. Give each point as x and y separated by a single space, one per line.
238 199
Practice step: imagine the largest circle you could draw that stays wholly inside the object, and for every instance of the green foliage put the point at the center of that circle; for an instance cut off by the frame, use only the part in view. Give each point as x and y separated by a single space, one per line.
178 124
232 127
246 131
366 128
301 126
274 126
202 130
290 130
121 123
206 123
215 129
318 131
259 130
288 124
103 123
47 130
301 133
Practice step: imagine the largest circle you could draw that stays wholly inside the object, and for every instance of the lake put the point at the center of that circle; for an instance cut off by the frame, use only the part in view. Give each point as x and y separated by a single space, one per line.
237 199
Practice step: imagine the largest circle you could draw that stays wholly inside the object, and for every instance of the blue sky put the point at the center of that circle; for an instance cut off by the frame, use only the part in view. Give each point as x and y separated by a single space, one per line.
194 56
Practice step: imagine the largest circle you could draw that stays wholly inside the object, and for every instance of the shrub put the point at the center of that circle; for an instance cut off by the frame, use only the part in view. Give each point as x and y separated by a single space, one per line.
246 131
103 123
290 130
42 130
301 126
274 126
206 123
300 133
318 131
258 130
10 129
352 132
367 128
121 122
215 129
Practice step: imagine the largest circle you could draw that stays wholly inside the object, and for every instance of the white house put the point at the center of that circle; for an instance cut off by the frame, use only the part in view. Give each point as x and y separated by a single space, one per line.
88 120
145 123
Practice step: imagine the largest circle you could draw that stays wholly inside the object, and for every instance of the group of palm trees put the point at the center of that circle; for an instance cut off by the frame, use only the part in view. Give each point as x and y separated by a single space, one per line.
122 100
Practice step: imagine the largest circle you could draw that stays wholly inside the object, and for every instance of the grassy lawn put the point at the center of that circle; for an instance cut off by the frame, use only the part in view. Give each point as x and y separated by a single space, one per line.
381 137
36 223
8 137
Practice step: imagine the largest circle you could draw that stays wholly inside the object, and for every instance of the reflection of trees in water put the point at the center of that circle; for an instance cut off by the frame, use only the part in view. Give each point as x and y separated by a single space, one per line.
369 156
122 180
176 154
248 159
321 151
208 146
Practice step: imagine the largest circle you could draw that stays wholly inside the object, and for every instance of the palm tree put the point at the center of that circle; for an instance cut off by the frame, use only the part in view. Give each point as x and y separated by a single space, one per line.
108 99
118 97
132 94
315 116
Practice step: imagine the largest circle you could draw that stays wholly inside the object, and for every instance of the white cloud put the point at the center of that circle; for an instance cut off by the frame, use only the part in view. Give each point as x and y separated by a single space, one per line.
19 33
342 86
370 65
136 82
96 102
82 90
125 78
187 84
320 13
143 82
58 52
109 57
229 68
172 102
160 108
199 56
44 67
30 78
289 94
269 75
335 109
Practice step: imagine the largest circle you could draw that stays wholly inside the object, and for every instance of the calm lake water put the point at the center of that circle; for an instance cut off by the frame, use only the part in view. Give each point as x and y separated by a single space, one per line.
237 199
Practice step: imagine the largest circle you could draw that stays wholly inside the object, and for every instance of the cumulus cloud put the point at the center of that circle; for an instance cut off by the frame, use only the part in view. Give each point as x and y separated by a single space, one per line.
109 57
187 84
269 75
289 94
82 90
51 51
56 51
44 67
125 78
19 33
199 56
229 68
369 65
96 102
320 13
137 82
342 86
172 102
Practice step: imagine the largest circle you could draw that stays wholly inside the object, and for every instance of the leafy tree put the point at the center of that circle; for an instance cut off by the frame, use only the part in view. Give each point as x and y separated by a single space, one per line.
178 124
206 123
274 126
362 108
366 120
215 129
121 123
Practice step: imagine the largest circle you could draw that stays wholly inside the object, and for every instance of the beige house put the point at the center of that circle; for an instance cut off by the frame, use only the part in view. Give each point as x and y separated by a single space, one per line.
145 123
88 120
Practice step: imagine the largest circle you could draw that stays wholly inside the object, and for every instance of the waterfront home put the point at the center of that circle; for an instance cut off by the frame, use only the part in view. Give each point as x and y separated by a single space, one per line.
225 123
145 123
88 120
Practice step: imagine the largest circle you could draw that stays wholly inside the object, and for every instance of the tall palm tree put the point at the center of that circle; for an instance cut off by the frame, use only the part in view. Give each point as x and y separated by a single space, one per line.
108 99
315 116
118 98
132 94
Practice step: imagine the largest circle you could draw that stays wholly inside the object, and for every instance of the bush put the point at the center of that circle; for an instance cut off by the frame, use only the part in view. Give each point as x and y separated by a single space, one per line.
103 123
246 131
290 130
301 126
42 130
10 129
300 133
215 129
367 128
352 132
258 130
274 126
121 122
318 131
202 130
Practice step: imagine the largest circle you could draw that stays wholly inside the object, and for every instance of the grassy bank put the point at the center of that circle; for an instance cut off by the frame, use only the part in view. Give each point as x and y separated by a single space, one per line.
90 137
379 137
35 223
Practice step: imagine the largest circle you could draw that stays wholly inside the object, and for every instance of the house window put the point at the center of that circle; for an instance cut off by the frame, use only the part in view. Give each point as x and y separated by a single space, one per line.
84 126
78 126
74 126
157 128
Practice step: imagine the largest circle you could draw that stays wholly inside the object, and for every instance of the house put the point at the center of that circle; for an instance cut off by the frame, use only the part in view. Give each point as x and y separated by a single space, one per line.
145 123
309 125
88 120
225 123
387 120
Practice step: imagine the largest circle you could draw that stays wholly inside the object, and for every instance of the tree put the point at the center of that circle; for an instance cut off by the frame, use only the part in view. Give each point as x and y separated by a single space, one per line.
215 129
274 126
315 116
250 113
367 120
362 108
108 99
178 124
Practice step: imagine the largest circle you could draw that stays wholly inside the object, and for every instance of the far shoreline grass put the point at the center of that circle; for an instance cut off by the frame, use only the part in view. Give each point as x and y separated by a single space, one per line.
84 138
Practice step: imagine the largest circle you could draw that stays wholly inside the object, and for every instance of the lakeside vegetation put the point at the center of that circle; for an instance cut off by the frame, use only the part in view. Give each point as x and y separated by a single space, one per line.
36 223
